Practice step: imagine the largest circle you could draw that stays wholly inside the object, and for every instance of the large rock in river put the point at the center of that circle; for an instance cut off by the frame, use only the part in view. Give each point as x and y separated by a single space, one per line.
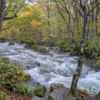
98 96
35 64
58 94
40 91
55 86
11 43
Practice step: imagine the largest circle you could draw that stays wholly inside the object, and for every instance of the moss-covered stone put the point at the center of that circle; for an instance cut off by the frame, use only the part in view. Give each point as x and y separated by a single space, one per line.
40 91
42 49
55 86
11 43
38 64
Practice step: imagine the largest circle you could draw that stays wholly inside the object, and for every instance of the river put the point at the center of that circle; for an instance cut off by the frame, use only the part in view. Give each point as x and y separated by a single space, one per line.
56 66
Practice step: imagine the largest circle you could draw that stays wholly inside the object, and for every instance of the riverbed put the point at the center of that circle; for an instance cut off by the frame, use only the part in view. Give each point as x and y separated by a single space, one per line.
55 67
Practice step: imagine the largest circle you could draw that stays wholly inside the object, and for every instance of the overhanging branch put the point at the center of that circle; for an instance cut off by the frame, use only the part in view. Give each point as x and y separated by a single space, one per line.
92 9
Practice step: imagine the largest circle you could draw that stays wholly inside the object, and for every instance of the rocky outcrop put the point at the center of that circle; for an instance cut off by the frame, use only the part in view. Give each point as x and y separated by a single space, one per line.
56 86
58 94
40 91
57 90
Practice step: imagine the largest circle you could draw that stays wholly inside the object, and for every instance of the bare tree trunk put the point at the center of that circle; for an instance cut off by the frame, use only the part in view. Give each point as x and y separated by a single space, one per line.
2 8
81 55
96 15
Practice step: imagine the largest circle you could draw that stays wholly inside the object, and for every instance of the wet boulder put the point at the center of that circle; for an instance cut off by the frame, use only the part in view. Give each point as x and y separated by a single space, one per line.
11 43
58 94
43 71
40 91
36 84
55 86
35 64
98 96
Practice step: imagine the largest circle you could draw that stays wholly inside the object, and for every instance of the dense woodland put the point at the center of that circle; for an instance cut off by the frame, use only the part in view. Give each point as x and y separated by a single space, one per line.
72 25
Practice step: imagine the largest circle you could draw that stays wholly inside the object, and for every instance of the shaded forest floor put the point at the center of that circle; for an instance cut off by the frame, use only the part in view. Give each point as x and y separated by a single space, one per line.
14 95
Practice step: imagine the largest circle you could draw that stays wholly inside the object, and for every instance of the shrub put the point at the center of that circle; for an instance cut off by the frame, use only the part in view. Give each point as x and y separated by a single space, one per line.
3 96
93 50
42 49
24 90
11 75
35 47
66 44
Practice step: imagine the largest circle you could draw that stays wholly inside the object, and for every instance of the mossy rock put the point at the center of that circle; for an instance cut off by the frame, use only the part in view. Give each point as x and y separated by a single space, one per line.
6 60
27 77
50 98
55 86
42 49
40 91
38 64
11 43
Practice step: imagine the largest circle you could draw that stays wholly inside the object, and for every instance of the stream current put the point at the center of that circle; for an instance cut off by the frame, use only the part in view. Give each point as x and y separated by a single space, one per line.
55 66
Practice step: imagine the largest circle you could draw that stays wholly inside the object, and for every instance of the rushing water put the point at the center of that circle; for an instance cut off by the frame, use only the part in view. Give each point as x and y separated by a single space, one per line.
56 66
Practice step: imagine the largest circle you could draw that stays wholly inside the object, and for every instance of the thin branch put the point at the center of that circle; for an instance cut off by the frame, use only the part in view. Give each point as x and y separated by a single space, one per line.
15 15
81 5
92 9
61 13
7 18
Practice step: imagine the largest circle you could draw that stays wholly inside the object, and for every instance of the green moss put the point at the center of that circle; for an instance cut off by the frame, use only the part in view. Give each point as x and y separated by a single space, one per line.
50 98
40 91
38 64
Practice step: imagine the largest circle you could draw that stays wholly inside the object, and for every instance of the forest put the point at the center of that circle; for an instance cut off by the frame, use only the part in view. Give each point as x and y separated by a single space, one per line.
52 44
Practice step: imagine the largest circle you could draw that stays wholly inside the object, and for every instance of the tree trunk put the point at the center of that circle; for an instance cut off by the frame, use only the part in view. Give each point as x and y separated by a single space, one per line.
2 8
77 74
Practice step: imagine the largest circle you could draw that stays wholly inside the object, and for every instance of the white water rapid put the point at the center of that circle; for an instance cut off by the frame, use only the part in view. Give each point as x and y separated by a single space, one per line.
56 66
